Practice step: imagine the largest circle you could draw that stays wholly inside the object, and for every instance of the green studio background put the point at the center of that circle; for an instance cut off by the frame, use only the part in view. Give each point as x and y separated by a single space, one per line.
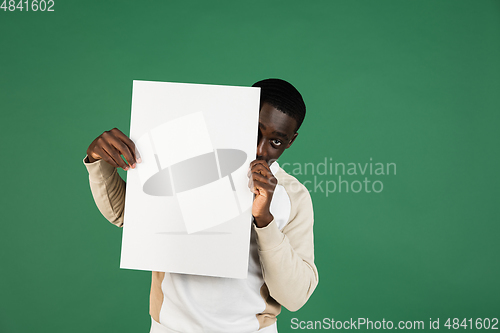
414 83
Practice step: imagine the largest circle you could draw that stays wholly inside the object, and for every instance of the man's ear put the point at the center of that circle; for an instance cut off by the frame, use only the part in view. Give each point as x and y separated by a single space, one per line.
291 141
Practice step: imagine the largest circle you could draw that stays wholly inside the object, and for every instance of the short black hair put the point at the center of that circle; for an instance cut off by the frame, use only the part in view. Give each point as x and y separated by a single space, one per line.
283 96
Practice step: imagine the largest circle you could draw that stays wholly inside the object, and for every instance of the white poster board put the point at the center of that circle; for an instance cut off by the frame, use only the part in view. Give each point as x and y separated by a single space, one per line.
188 205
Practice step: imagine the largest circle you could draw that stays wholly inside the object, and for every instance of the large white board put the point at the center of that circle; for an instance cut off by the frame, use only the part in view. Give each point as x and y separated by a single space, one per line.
187 206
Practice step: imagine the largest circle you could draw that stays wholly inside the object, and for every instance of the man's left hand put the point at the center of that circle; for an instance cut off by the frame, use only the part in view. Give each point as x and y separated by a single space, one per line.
262 183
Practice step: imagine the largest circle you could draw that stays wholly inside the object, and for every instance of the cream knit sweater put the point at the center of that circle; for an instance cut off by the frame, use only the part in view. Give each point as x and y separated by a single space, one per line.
281 267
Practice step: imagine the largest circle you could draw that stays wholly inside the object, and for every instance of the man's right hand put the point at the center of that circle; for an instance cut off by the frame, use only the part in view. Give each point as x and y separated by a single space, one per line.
110 145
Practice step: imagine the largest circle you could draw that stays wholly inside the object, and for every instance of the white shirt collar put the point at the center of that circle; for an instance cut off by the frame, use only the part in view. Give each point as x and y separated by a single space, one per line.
274 167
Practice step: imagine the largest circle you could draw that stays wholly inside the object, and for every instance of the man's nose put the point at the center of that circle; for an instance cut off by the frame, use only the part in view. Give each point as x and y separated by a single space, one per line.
261 149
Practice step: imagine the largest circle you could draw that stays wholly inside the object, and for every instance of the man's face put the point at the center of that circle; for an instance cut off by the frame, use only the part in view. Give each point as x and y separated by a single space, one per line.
276 133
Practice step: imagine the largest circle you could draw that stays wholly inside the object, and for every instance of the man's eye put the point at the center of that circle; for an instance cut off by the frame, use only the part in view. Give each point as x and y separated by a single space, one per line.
276 142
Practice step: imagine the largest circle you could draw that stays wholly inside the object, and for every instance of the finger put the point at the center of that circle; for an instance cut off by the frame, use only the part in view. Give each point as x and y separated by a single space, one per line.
115 147
262 170
124 150
257 176
128 142
269 182
114 155
259 165
260 188
121 142
252 187
251 183
262 162
105 157
138 155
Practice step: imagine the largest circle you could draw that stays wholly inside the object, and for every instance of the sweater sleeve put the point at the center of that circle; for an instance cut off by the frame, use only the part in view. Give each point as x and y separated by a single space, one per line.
287 256
108 190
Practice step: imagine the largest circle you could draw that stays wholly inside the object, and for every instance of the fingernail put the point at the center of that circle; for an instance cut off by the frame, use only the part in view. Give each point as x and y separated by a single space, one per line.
139 160
133 166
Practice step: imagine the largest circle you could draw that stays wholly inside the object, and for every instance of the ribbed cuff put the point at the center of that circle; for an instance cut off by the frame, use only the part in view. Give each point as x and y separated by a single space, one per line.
99 170
269 237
